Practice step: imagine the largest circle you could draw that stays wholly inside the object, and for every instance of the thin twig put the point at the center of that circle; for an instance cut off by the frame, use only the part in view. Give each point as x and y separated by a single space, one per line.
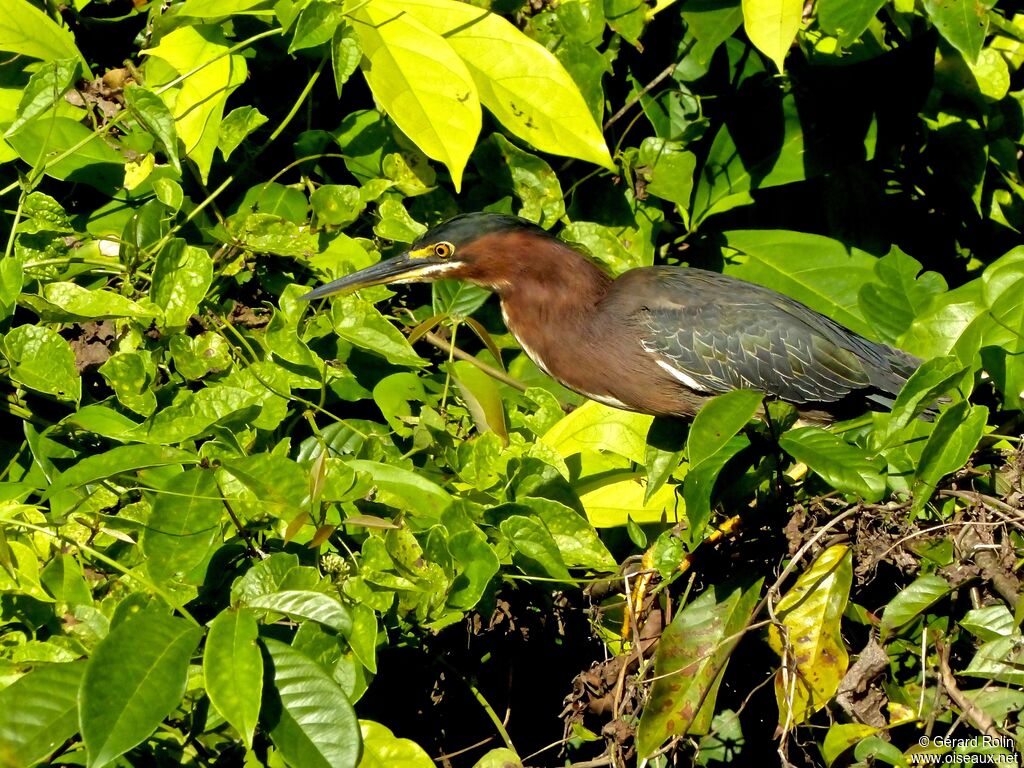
643 92
974 714
432 338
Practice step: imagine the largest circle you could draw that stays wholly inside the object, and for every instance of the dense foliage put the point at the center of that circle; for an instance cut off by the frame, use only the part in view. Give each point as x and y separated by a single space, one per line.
239 529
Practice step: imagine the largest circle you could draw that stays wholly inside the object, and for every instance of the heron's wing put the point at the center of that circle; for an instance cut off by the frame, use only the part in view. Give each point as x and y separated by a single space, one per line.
714 333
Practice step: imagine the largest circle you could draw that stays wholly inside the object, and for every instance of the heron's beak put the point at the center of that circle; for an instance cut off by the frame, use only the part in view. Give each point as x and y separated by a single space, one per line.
409 267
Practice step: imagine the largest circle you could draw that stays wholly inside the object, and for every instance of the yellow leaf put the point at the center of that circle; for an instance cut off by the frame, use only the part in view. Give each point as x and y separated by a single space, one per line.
519 80
420 81
597 427
198 102
772 25
815 659
613 498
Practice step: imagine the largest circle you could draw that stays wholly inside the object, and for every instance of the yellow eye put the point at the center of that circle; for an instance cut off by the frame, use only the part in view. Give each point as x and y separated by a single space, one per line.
443 250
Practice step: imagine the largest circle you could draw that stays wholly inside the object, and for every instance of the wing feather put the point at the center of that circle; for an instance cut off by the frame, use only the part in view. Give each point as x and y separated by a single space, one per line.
722 333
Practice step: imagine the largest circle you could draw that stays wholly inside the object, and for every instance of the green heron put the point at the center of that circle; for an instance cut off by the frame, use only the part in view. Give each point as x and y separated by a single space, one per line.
659 340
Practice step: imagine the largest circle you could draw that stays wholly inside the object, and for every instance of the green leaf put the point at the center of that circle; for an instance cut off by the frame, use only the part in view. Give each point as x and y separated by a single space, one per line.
932 379
897 295
533 540
306 605
923 593
236 126
382 749
841 737
197 102
949 446
82 304
613 498
824 274
26 30
20 572
990 622
345 55
718 422
64 579
533 182
45 87
405 488
316 25
42 360
358 322
813 643
183 524
125 458
456 298
710 25
964 23
699 485
233 669
1000 660
847 19
440 113
482 397
217 8
499 758
577 541
337 205
155 118
772 25
12 279
596 427
93 161
309 717
522 83
130 686
477 562
181 277
846 467
131 375
39 712
690 663
735 169
669 170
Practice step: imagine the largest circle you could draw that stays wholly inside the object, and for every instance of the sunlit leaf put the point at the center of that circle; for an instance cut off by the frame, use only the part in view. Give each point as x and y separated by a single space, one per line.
824 274
130 687
718 421
441 114
233 669
183 524
519 81
772 25
197 102
44 88
26 30
841 737
41 360
303 605
845 467
964 23
309 718
949 446
38 712
597 427
181 276
814 655
382 749
910 601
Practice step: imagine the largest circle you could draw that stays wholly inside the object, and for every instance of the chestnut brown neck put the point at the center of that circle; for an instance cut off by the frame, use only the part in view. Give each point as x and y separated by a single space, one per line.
549 298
